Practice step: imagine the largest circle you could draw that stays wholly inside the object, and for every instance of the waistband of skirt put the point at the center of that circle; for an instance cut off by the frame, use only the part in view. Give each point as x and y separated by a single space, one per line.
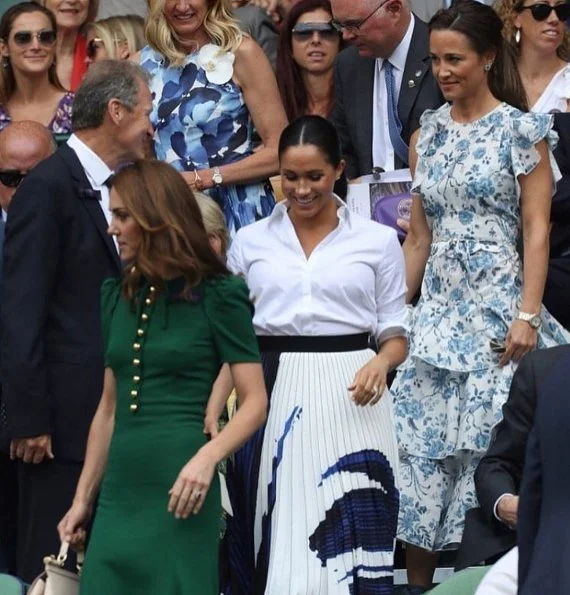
321 344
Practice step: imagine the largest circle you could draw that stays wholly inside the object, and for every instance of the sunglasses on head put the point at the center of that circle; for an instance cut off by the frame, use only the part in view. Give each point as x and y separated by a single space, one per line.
541 11
305 31
93 45
23 38
11 178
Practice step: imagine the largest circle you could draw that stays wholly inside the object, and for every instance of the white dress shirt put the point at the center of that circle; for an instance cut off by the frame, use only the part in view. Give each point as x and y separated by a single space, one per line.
96 170
353 281
382 150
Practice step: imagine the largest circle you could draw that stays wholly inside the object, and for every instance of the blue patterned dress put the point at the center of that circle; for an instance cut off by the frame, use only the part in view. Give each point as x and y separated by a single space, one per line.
449 393
199 125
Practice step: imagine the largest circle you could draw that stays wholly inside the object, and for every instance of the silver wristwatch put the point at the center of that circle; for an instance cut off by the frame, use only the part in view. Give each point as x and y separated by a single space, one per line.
217 177
533 319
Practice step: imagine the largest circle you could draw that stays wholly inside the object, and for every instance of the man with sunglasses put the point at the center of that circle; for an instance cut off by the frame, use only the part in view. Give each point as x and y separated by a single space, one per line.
22 146
383 83
57 253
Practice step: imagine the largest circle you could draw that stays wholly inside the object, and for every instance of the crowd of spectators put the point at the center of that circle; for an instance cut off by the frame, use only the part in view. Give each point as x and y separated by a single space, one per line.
161 160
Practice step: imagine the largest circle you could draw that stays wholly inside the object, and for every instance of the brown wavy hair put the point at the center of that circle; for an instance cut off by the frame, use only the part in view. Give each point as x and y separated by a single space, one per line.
7 79
289 79
508 10
173 236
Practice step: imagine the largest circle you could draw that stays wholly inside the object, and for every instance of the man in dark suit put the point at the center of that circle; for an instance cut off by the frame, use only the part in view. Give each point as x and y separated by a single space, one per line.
491 530
22 146
544 511
383 83
56 255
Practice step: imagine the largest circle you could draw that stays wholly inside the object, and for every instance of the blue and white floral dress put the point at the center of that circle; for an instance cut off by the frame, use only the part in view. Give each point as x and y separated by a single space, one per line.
199 124
449 393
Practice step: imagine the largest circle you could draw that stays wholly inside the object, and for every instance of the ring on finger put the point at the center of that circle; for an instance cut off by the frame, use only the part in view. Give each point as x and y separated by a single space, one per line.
196 495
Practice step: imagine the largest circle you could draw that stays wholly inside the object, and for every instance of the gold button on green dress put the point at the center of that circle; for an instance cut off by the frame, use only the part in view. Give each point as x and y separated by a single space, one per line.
163 386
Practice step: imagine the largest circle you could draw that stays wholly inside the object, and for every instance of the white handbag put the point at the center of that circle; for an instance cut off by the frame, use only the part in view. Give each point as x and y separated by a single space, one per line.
55 580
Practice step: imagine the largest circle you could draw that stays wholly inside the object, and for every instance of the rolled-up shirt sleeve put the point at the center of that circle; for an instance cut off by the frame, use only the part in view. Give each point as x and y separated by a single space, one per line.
391 310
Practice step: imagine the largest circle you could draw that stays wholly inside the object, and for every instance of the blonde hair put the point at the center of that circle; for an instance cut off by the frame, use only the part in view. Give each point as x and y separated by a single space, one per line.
214 220
507 10
219 24
113 31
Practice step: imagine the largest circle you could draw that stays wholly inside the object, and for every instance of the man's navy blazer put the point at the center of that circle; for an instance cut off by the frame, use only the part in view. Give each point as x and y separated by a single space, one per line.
544 509
56 255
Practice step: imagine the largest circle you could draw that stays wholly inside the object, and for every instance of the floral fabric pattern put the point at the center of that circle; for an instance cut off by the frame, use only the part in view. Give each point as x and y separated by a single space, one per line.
61 121
200 123
449 393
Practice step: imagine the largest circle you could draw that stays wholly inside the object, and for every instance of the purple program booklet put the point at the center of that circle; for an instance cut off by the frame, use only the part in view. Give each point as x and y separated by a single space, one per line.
384 200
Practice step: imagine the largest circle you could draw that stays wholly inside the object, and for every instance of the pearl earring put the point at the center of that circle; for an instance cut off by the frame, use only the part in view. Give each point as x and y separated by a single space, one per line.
517 36
488 66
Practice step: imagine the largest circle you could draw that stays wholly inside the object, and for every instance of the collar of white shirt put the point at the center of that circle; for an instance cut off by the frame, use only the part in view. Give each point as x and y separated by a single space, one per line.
281 208
400 54
95 168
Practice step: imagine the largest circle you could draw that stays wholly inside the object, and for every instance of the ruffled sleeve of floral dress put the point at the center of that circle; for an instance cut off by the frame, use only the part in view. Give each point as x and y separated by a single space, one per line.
527 130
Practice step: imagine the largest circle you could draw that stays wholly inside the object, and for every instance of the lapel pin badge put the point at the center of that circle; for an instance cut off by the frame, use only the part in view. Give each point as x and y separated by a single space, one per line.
418 73
411 83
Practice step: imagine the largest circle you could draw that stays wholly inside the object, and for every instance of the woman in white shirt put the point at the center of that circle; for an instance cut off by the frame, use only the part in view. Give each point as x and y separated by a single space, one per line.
315 494
537 33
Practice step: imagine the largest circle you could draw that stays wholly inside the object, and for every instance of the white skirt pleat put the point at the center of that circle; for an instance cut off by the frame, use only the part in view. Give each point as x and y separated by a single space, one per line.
312 425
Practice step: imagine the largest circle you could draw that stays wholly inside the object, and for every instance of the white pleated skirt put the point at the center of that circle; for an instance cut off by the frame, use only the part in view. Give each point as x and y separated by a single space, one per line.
327 496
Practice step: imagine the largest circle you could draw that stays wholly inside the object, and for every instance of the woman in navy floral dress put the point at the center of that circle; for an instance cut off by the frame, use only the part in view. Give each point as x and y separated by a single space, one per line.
484 170
211 85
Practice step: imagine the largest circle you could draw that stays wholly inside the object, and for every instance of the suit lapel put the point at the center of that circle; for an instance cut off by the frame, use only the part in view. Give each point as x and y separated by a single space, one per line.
90 200
417 65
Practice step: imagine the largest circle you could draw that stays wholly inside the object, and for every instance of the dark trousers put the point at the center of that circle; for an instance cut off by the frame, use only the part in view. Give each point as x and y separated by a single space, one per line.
8 513
45 494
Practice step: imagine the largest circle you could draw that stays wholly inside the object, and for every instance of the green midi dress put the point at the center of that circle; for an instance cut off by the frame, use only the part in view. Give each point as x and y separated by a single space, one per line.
165 353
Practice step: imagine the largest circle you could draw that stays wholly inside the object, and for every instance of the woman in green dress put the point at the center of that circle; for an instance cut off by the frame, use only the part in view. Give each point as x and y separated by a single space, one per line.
169 325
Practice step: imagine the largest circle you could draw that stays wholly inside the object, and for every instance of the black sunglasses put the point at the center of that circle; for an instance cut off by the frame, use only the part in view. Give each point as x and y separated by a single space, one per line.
11 178
541 11
45 37
92 46
305 31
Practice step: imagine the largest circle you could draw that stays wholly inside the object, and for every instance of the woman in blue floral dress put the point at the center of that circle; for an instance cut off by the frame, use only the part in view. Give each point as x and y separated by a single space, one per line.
484 171
211 86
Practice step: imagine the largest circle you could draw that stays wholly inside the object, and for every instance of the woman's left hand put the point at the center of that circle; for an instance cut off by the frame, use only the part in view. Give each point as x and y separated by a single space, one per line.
520 339
189 491
370 381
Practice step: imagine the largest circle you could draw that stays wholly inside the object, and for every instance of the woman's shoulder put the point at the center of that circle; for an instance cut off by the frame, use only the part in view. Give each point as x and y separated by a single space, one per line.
432 116
224 292
110 294
526 127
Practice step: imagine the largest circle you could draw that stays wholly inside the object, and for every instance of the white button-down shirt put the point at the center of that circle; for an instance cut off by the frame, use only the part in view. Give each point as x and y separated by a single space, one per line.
382 149
353 281
96 170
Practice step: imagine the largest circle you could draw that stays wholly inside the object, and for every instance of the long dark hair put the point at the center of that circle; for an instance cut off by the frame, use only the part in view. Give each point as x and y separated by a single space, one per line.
173 236
319 132
481 25
289 79
7 80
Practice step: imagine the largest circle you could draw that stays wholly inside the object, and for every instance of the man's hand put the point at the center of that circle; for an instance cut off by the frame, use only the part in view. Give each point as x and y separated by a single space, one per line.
31 450
507 510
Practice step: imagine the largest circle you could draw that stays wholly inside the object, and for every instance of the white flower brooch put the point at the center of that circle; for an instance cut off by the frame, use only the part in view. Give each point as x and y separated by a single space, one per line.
218 65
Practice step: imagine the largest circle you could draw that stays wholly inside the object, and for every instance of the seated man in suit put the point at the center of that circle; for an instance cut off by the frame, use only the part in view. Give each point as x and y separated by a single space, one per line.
383 83
491 530
22 146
